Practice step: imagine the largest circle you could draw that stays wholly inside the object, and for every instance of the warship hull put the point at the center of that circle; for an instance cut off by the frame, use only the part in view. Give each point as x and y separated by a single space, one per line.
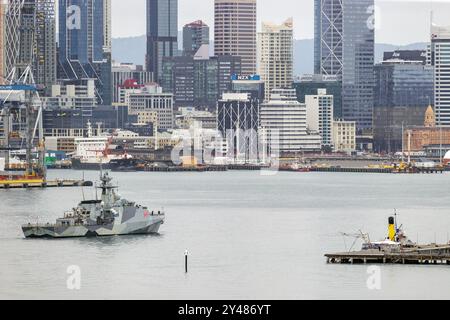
77 164
54 231
109 216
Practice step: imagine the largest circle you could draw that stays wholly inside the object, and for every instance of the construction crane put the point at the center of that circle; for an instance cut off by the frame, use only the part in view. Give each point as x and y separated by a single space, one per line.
22 92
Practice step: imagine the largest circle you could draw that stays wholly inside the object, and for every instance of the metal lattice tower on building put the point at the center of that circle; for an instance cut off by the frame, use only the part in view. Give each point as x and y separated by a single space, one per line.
238 122
328 37
344 47
12 34
30 39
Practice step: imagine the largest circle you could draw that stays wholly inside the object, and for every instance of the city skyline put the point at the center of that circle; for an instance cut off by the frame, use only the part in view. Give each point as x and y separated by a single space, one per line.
415 16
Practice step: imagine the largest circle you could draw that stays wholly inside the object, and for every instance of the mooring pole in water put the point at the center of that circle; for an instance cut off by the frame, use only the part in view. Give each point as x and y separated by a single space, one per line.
186 254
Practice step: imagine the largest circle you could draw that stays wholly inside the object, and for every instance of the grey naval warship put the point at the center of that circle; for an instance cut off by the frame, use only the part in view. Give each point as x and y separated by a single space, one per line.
109 216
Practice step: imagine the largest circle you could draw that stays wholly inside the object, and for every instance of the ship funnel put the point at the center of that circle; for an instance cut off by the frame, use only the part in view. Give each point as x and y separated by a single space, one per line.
392 232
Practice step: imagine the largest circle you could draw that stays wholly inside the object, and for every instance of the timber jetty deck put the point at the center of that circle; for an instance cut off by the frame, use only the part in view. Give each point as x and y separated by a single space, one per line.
46 184
218 168
182 169
427 255
351 170
379 170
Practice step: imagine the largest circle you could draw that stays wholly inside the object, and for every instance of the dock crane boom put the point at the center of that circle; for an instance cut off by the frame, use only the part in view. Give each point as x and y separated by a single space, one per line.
23 91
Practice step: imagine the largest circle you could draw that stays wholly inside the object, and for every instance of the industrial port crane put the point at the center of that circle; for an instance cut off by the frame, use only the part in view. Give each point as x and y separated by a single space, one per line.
22 93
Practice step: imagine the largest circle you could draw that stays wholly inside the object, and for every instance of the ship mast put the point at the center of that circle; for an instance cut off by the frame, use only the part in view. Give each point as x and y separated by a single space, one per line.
108 196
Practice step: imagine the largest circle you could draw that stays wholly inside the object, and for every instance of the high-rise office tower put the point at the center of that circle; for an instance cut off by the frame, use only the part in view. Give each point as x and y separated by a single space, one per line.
27 34
276 45
12 34
344 46
404 89
198 81
328 25
235 31
85 44
30 39
162 33
2 40
195 34
45 61
439 58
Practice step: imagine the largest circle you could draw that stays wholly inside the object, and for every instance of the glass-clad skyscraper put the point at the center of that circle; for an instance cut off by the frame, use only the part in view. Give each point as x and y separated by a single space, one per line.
403 84
344 47
195 34
439 58
162 33
403 91
85 43
197 82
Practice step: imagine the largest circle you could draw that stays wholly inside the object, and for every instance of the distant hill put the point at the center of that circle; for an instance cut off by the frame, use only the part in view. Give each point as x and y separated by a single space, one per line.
133 49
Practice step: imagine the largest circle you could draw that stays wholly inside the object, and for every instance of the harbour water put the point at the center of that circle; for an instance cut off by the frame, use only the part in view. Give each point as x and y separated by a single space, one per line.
249 236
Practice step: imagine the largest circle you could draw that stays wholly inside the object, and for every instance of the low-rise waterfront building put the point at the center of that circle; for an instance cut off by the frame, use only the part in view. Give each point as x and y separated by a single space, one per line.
419 138
190 117
344 136
284 125
69 122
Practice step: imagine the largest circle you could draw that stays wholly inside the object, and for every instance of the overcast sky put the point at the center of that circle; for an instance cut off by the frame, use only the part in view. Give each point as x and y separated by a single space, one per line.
400 21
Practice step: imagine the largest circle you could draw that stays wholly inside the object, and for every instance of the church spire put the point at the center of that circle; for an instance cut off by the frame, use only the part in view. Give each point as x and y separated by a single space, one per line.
430 118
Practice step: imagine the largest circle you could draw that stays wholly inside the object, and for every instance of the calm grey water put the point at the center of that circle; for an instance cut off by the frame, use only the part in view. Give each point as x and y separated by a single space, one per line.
250 237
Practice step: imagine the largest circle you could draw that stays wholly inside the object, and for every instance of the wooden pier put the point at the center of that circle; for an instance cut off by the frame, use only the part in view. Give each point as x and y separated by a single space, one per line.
428 255
46 184
214 168
351 170
184 169
379 170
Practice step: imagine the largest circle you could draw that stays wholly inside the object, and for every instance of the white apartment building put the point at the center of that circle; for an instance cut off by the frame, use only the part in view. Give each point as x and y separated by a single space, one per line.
439 58
344 136
283 122
275 59
124 94
80 95
150 101
319 115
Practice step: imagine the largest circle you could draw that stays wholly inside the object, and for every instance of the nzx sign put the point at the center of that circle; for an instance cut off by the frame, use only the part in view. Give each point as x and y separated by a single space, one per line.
236 77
